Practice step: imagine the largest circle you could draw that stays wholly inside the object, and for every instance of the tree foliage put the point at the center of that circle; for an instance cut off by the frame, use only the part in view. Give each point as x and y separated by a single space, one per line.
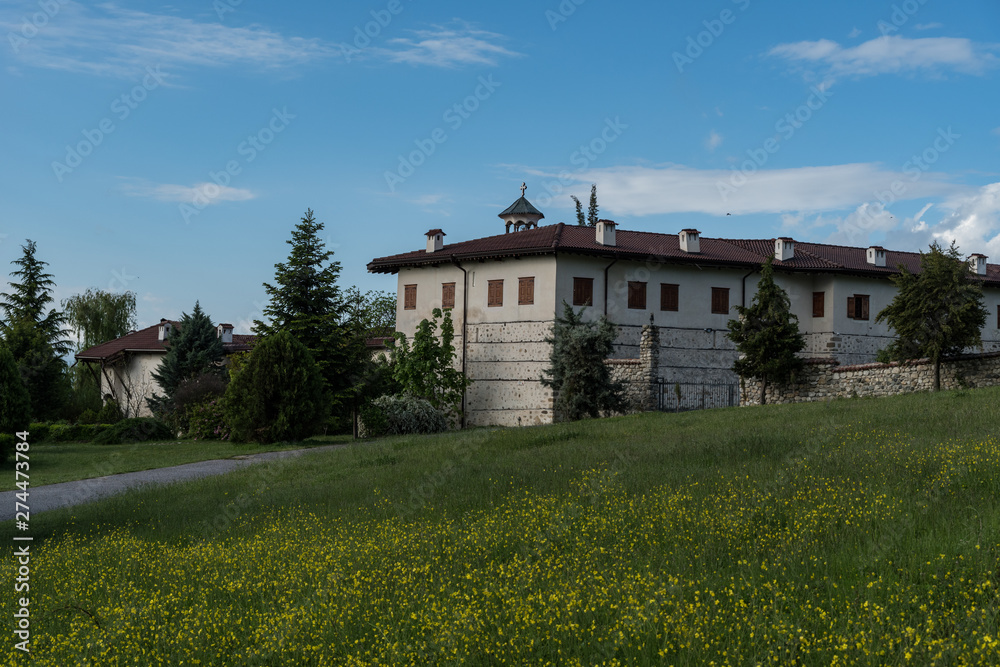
426 369
306 302
371 313
42 371
97 316
31 292
278 393
577 373
194 349
767 335
936 312
592 208
15 402
581 220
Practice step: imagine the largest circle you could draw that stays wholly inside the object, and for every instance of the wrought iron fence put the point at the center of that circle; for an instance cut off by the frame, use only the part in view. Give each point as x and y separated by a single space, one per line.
676 397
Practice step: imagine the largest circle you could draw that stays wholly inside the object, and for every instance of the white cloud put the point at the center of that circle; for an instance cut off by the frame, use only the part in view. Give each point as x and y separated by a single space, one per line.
199 193
714 140
446 47
111 41
671 188
973 222
854 33
891 55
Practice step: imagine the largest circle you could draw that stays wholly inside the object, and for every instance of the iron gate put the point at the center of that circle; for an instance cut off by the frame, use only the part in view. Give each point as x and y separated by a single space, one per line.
676 397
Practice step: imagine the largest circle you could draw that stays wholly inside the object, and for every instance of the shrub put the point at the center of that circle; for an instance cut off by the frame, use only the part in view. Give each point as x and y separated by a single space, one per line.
110 413
65 432
206 421
135 429
402 415
88 416
278 394
39 432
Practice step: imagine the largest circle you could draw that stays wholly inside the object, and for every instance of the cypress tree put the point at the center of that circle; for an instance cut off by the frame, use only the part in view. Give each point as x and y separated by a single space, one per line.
581 221
767 335
936 312
592 209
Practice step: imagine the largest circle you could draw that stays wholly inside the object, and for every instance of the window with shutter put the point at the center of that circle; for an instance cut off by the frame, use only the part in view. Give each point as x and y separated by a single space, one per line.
819 304
447 295
526 291
720 300
409 297
583 291
669 297
857 307
637 295
494 293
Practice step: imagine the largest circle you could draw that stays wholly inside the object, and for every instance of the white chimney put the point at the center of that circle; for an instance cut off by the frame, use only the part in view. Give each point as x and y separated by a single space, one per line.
225 332
876 255
164 330
977 264
606 232
689 239
784 249
435 240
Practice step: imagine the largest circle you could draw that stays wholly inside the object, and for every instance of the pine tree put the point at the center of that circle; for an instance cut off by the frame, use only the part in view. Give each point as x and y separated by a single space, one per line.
577 372
307 303
767 335
936 312
592 209
29 298
194 350
580 219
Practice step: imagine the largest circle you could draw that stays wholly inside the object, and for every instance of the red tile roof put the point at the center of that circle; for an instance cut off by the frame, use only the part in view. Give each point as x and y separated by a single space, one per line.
147 340
744 253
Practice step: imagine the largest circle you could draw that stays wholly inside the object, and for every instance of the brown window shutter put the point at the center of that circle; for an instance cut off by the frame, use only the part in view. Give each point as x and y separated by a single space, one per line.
851 308
583 291
668 297
720 300
494 293
864 307
637 295
526 291
819 304
409 297
447 295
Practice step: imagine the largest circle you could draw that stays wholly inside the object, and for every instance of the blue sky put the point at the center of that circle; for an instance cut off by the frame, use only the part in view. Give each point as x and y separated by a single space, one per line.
169 149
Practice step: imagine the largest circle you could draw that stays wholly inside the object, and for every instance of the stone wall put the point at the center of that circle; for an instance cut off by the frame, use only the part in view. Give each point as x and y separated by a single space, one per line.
824 379
640 375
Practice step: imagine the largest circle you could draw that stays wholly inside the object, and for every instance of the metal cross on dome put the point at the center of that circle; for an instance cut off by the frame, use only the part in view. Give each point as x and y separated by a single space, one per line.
523 188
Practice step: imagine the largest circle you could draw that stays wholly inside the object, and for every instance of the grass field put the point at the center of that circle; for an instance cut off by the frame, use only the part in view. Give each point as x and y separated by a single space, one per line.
67 461
852 532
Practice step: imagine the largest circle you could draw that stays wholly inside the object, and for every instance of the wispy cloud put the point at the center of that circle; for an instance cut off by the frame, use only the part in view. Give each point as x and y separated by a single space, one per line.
891 55
202 194
671 188
714 140
928 26
444 46
112 41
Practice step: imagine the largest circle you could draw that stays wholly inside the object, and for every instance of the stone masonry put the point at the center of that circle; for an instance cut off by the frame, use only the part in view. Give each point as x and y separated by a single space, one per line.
640 375
823 379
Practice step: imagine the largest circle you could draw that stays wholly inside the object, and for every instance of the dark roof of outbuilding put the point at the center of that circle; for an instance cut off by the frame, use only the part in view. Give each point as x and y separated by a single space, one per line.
652 246
147 340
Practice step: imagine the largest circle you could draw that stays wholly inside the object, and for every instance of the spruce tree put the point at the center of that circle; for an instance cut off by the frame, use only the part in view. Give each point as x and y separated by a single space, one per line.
194 350
43 373
767 335
30 295
15 402
592 209
936 312
577 372
306 302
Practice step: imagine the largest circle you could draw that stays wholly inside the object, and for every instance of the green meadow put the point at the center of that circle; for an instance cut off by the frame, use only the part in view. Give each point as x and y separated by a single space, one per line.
854 532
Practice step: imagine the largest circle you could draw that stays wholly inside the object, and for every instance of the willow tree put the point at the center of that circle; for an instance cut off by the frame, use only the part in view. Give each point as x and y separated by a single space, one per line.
96 317
767 335
936 312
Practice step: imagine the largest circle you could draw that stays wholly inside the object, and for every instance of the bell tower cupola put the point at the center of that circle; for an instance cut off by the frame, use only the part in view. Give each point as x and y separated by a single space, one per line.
521 214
